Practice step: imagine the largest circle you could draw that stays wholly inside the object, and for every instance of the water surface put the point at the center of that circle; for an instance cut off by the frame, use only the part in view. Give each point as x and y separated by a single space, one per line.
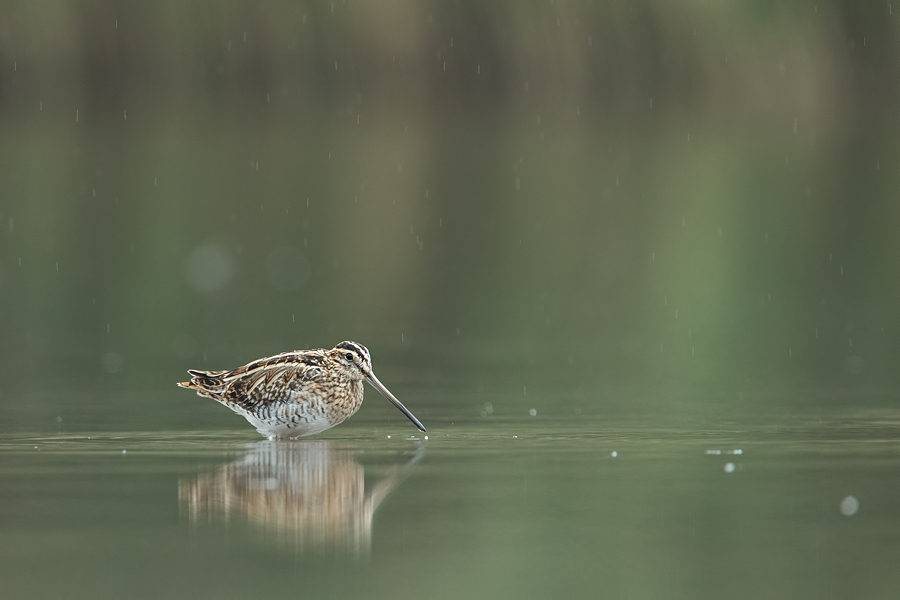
623 506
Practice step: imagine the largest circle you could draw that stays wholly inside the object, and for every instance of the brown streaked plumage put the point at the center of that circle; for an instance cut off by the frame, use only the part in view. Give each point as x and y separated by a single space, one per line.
296 393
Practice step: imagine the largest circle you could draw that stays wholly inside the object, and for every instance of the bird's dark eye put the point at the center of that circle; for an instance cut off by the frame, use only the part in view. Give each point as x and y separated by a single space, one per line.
349 357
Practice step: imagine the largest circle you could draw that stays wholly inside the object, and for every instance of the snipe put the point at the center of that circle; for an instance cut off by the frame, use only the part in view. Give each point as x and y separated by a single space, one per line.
296 393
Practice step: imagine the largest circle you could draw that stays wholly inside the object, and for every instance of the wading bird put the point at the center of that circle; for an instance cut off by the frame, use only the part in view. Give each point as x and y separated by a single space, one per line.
296 393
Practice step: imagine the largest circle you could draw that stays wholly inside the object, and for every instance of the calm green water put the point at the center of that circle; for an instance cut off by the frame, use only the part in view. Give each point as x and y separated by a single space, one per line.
668 228
619 506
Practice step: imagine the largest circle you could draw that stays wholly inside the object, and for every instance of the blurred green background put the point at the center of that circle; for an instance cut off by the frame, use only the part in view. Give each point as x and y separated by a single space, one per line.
541 198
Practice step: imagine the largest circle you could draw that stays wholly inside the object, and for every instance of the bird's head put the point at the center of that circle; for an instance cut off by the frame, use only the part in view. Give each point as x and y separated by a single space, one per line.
354 358
358 364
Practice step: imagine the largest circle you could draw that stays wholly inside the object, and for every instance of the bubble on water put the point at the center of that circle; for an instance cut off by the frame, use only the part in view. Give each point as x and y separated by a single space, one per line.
614 454
849 506
855 364
737 451
729 467
532 412
112 362
287 269
714 452
59 419
124 451
426 437
208 268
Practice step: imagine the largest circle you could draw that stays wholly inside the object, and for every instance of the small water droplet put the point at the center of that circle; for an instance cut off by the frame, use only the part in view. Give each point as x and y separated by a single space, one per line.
849 506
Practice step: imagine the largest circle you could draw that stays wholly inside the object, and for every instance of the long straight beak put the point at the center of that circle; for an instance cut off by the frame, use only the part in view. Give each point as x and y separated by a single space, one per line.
384 392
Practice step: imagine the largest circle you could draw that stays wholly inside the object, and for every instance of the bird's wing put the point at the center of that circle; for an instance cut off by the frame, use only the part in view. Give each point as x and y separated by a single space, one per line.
261 382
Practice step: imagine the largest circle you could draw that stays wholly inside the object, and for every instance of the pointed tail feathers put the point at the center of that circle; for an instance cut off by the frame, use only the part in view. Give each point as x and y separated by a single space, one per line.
205 383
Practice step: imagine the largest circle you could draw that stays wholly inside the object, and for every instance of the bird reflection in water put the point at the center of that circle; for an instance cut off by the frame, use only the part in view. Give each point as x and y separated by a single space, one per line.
311 495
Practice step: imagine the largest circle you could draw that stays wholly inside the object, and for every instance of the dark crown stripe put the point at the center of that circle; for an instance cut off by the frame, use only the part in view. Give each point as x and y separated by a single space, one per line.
358 348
